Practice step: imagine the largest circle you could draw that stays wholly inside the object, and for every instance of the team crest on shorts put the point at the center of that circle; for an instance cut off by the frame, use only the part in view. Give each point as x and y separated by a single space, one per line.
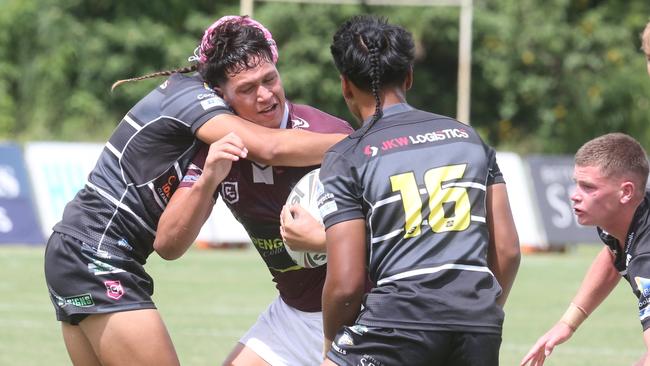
114 289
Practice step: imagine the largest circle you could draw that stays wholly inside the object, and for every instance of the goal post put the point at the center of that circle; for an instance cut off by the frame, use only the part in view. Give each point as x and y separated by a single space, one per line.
464 37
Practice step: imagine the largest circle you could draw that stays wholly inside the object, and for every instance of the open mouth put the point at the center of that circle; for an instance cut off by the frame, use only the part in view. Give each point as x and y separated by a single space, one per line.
269 109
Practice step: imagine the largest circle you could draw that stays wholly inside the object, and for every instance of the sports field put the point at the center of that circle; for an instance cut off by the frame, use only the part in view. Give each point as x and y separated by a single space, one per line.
210 297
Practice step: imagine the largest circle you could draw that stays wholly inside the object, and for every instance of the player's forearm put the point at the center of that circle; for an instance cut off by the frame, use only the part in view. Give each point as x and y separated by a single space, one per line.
504 261
338 309
504 253
271 146
599 281
182 220
302 148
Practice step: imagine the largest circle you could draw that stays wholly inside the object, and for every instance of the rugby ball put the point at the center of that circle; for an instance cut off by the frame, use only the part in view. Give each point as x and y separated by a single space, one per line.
306 193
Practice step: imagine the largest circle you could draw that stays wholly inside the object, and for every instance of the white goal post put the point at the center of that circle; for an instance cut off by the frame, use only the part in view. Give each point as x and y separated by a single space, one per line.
464 38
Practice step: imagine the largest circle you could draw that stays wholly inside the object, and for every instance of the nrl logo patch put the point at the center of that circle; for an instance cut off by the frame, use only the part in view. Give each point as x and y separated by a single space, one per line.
114 289
230 192
299 123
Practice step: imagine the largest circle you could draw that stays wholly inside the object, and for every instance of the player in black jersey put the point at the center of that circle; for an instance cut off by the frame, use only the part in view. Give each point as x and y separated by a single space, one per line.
611 173
94 259
418 200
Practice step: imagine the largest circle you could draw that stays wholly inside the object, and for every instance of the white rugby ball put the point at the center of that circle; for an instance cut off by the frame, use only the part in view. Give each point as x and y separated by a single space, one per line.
306 193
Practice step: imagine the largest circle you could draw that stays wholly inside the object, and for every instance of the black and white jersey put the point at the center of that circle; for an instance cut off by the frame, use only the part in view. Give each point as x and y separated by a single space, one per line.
633 260
419 180
140 167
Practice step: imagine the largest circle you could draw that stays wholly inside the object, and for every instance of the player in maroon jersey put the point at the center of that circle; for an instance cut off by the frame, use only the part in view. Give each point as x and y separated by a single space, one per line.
289 332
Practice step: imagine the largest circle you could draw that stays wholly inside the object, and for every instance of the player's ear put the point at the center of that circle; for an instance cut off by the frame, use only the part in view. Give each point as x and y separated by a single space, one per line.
627 192
346 88
408 81
218 90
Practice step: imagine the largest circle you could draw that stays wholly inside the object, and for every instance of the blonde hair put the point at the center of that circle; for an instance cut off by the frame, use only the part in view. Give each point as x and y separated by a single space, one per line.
645 39
616 155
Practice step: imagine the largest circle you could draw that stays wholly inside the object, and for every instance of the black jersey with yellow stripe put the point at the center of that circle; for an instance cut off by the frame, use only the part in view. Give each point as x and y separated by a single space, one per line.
140 166
419 180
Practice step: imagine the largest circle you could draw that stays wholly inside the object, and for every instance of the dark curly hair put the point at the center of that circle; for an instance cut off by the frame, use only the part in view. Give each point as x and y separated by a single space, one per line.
372 53
233 46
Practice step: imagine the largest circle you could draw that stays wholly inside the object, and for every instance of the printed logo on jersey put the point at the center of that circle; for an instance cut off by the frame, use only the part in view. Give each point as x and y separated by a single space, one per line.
359 329
212 103
643 284
124 244
230 192
80 301
367 360
164 85
326 204
370 150
114 289
403 141
343 340
274 254
99 268
165 186
299 123
440 135
206 95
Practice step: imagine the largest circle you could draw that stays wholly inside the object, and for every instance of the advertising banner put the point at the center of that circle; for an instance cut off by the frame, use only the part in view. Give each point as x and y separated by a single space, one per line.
553 184
18 220
58 171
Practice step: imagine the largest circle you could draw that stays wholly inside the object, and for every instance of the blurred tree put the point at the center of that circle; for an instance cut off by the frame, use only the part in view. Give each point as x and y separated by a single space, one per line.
546 76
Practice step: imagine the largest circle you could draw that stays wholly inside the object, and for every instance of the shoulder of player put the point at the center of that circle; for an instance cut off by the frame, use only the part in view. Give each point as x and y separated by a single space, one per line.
318 120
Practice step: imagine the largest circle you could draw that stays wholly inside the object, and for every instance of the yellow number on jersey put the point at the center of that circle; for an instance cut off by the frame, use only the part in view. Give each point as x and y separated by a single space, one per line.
454 197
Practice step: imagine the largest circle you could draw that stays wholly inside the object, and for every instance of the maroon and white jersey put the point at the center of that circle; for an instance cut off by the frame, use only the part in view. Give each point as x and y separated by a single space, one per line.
255 194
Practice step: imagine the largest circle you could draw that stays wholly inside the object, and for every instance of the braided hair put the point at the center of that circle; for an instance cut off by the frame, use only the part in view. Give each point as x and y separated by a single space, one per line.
231 45
373 54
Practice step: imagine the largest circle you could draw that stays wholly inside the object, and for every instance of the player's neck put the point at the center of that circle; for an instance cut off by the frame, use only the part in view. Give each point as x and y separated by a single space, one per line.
388 97
619 224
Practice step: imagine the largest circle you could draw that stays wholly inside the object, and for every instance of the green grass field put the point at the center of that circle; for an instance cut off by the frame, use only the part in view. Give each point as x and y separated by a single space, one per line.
209 298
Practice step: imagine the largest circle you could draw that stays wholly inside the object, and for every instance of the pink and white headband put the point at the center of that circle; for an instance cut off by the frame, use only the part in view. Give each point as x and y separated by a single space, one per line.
205 46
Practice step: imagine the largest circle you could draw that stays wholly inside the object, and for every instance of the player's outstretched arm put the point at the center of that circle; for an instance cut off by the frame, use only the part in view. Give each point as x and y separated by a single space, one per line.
190 207
271 146
599 281
503 253
346 276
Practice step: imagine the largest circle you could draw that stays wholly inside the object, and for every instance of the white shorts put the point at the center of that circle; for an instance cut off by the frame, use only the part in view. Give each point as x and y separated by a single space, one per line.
284 336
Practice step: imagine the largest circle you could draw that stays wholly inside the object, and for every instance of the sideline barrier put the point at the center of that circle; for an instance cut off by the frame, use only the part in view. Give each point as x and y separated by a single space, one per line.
552 178
59 170
18 220
539 188
524 209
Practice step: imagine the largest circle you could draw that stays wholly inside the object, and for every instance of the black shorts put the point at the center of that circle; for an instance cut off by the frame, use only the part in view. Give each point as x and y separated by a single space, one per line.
83 280
372 346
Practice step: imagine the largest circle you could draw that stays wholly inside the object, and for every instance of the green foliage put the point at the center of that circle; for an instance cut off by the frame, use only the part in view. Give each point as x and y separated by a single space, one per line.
546 76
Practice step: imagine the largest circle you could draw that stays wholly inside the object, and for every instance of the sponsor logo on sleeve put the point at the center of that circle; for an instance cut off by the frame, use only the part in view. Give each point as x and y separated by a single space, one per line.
326 204
643 286
212 102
